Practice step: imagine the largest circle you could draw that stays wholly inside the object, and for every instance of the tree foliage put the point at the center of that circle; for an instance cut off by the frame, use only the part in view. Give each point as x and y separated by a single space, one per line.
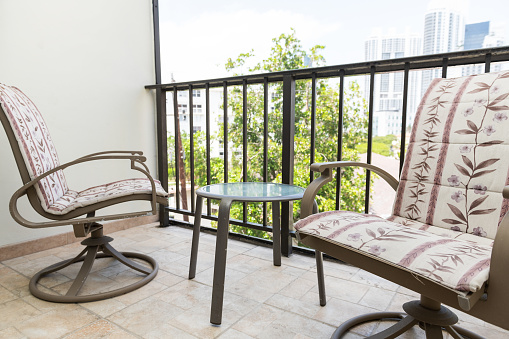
286 54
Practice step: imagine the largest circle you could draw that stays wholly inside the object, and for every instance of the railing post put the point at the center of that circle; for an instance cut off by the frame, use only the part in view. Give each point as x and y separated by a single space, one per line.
162 153
370 136
287 159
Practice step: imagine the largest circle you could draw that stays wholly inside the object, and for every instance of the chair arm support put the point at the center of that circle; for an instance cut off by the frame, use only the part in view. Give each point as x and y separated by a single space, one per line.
134 156
499 273
325 168
112 152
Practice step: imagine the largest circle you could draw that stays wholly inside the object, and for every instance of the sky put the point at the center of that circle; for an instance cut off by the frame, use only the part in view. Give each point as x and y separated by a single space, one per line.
198 37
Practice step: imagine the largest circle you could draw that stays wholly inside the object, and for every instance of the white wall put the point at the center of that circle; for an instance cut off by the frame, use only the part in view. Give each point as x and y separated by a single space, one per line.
85 65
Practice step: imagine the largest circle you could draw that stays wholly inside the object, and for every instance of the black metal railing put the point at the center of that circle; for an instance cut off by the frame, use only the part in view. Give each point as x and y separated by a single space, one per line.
288 79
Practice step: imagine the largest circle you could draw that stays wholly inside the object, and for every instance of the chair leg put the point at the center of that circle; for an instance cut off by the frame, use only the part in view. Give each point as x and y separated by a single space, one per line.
94 245
321 278
401 326
84 271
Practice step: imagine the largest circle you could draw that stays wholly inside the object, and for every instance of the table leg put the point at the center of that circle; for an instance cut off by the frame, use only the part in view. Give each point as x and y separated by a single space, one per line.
276 234
223 221
196 237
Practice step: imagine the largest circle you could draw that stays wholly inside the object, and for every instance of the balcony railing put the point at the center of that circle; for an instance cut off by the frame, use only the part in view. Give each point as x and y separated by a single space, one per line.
443 62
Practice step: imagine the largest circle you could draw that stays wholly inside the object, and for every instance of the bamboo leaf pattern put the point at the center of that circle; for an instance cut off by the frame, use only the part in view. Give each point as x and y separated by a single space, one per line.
465 250
467 162
427 150
477 202
475 169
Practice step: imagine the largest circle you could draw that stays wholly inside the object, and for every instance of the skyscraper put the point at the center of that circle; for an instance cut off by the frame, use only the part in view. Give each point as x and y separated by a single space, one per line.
443 32
475 34
482 35
388 89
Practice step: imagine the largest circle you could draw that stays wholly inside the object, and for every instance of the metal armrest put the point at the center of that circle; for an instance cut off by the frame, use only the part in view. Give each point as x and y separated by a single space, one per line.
112 152
135 157
325 169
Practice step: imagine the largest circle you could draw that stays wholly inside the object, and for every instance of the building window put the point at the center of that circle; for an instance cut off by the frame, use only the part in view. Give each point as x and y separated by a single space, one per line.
182 109
183 94
196 129
196 93
398 82
384 83
197 109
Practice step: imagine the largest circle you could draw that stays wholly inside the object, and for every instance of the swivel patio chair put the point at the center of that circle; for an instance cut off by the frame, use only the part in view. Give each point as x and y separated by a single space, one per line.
448 236
45 186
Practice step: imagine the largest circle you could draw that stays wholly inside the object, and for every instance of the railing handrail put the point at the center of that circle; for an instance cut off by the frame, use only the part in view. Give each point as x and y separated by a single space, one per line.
476 56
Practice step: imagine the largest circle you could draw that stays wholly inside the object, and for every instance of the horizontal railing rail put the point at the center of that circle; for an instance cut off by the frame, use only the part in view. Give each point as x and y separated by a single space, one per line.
288 78
477 56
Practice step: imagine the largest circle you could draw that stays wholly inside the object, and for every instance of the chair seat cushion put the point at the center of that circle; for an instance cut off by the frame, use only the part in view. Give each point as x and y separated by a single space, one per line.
460 264
73 199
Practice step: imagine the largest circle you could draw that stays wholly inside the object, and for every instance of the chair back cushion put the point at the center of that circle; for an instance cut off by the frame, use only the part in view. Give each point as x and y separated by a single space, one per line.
34 143
456 164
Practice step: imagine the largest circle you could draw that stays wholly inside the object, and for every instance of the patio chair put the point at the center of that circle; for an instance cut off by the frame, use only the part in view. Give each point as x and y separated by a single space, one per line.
448 236
45 186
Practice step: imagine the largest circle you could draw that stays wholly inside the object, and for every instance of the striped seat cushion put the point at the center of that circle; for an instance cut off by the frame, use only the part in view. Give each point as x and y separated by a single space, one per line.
460 264
73 199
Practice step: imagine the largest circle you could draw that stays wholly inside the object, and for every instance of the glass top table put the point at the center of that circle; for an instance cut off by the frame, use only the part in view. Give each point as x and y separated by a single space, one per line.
227 193
252 191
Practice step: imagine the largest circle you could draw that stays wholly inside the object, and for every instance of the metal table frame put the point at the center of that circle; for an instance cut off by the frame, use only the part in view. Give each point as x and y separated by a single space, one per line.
222 234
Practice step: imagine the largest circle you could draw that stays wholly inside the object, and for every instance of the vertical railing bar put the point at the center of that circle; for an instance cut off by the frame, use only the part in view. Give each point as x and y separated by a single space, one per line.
191 145
487 63
340 135
162 150
207 136
225 130
404 117
265 140
445 63
370 137
244 143
287 171
177 154
313 124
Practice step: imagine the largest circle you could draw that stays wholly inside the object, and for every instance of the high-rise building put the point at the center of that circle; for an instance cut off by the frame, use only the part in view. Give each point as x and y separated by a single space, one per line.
444 32
388 87
482 35
475 34
199 114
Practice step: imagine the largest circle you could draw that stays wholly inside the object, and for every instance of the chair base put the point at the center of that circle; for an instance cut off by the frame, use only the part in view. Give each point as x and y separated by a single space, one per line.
432 321
94 245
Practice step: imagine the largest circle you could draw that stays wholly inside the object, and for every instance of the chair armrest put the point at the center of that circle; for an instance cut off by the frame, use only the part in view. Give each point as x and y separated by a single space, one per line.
134 156
113 152
325 168
497 296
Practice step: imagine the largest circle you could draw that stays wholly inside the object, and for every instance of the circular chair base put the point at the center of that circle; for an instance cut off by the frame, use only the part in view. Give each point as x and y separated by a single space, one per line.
72 297
404 323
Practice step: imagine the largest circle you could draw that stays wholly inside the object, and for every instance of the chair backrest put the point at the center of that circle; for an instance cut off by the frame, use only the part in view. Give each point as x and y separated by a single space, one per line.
32 145
457 161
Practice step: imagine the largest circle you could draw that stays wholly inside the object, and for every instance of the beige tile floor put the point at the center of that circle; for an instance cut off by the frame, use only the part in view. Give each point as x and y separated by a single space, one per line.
261 300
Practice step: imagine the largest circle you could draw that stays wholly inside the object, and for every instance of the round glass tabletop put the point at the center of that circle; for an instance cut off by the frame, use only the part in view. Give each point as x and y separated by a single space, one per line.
252 191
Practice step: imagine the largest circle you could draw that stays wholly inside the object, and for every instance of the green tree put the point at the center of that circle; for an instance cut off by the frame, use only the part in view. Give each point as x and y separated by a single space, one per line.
286 54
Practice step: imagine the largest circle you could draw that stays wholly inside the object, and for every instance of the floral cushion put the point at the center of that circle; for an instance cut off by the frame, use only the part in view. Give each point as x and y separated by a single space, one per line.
460 264
449 201
454 171
35 144
40 156
72 199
